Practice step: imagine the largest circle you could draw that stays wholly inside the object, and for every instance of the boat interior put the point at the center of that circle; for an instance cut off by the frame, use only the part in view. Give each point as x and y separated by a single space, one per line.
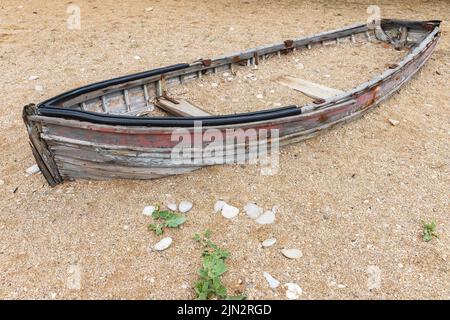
147 94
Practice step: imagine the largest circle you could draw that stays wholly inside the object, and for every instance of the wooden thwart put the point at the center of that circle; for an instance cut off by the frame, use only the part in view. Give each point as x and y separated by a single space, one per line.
183 108
311 89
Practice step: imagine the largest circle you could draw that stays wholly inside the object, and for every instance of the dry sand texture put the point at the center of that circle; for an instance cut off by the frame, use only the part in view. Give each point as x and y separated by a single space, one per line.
349 199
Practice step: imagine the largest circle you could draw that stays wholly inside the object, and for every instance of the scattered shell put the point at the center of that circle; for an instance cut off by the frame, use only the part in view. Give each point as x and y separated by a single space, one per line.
172 206
273 283
394 122
32 78
266 218
229 212
163 244
148 210
293 291
292 253
252 210
259 96
219 205
33 169
185 206
269 242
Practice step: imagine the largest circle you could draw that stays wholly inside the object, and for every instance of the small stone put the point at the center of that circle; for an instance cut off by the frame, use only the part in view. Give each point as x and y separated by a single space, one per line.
38 88
126 227
163 244
394 122
148 9
259 96
52 295
148 211
137 58
327 76
226 74
269 242
2 182
219 205
172 206
214 84
229 212
253 211
230 29
293 291
185 206
292 253
33 169
341 286
277 104
273 283
267 217
300 66
32 78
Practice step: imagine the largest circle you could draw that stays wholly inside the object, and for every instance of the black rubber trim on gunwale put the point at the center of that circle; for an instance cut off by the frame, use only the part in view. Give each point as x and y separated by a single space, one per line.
98 118
111 82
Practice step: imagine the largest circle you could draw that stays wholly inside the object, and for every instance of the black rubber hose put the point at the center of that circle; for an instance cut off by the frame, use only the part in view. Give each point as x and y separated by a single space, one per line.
170 121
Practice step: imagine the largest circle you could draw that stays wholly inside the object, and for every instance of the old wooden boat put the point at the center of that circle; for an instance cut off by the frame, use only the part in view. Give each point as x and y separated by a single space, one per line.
106 130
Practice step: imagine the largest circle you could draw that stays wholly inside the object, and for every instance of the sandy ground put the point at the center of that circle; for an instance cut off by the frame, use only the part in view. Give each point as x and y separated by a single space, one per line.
349 199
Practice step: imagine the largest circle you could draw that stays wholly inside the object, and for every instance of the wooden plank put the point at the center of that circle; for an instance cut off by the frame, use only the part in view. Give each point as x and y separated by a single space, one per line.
182 108
311 89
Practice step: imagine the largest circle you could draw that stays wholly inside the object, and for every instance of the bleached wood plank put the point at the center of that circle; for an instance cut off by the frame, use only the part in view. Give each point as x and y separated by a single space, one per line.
182 108
311 89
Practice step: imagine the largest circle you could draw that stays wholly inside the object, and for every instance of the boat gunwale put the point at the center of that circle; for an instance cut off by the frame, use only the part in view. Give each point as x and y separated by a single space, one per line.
145 122
306 110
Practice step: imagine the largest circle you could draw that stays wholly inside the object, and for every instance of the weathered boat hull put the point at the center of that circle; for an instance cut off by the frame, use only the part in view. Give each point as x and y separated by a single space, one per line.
71 144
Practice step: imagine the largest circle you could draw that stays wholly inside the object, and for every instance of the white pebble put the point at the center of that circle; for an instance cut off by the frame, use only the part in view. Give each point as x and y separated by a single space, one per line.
229 212
273 283
172 206
148 210
38 88
394 122
226 74
269 242
32 78
252 210
137 58
267 217
293 291
292 253
163 244
185 206
300 66
33 169
149 9
259 96
277 104
219 205
214 85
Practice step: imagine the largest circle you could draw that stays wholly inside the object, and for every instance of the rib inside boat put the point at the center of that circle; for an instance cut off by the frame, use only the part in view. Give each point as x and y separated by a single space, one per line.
110 129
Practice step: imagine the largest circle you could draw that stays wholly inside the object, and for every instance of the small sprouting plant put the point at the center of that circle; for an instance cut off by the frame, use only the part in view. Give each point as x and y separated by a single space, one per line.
429 231
209 285
169 219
